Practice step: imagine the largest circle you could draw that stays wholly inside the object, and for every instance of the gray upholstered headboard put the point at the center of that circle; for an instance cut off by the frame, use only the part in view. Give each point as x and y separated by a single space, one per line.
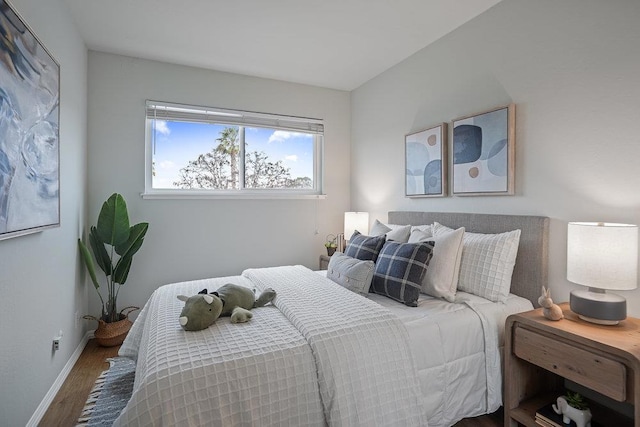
530 272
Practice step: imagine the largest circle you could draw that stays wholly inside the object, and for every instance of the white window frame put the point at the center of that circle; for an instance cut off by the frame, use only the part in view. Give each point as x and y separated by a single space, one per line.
174 111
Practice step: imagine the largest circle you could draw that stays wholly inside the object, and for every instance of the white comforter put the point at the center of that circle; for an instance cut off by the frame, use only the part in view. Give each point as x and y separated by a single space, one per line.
322 355
456 349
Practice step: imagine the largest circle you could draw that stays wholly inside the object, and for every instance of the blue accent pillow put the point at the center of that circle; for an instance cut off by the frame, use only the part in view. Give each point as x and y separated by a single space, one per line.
365 248
399 271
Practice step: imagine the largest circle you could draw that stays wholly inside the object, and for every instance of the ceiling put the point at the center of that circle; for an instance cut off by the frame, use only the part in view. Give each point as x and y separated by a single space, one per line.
338 44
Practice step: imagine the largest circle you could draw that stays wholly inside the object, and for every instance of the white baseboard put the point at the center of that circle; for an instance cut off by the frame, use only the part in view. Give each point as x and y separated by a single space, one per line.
51 394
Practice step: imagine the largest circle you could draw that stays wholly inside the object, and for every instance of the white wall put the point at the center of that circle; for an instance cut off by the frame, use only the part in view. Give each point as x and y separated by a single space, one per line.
190 239
41 287
573 70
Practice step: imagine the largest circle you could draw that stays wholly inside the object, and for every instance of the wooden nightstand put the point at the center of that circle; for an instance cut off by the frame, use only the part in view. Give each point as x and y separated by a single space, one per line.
324 262
540 354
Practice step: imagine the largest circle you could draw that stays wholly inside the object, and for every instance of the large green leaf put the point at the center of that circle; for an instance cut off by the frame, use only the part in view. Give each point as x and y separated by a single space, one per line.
113 221
136 237
88 261
121 271
100 252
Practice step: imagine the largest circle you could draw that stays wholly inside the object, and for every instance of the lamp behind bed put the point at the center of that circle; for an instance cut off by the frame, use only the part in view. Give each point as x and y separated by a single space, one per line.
353 221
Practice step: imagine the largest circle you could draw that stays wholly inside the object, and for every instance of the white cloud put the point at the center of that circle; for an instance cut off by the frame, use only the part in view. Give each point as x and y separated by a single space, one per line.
292 158
161 127
283 135
167 164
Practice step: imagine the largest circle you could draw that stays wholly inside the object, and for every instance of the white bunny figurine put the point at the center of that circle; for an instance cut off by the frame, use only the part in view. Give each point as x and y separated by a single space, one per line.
550 310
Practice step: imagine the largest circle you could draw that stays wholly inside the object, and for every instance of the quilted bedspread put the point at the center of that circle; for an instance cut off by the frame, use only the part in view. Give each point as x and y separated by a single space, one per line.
365 368
320 355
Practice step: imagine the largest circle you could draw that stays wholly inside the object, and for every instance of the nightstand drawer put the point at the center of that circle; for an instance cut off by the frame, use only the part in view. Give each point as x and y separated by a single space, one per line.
594 371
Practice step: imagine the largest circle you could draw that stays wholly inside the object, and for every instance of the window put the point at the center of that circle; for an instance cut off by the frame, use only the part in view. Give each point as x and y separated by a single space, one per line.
208 152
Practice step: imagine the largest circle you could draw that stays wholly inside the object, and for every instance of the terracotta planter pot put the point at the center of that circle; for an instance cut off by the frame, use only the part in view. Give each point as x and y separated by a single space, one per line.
114 333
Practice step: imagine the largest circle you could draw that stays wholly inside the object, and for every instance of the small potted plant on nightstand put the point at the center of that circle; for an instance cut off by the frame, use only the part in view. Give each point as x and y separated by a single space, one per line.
573 407
577 401
331 244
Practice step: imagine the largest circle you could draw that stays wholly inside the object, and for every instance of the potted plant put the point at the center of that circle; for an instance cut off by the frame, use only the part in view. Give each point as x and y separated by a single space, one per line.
113 243
573 407
577 401
331 244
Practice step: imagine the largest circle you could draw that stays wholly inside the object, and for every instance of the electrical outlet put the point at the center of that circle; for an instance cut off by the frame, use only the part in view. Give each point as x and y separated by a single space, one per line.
56 341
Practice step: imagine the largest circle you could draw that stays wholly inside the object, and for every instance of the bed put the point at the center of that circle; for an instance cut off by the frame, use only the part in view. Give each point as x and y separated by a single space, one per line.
324 355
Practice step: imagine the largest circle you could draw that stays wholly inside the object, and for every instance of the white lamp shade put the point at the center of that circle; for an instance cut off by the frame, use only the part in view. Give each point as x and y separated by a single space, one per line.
355 221
602 255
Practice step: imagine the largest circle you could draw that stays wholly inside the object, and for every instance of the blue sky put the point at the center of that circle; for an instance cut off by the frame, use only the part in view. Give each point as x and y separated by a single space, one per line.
176 143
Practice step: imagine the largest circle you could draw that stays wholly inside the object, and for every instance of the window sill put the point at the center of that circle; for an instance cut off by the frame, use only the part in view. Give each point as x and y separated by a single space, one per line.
244 195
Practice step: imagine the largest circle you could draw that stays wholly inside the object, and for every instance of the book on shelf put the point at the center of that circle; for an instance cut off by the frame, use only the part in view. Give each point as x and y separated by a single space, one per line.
547 417
543 423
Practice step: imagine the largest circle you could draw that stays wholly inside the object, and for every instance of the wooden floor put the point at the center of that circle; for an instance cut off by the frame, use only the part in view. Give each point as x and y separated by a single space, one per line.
492 420
68 403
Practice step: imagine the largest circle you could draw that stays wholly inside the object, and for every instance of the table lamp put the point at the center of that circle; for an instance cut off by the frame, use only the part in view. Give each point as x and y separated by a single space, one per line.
355 221
601 256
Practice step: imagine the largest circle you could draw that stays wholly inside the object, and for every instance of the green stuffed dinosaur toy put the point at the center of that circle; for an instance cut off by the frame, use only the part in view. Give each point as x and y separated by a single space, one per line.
202 310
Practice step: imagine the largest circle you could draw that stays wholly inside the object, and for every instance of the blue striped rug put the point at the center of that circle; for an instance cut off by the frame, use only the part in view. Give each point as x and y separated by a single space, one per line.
110 394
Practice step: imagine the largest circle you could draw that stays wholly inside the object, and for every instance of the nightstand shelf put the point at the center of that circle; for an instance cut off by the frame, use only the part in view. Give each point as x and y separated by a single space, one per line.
541 354
525 413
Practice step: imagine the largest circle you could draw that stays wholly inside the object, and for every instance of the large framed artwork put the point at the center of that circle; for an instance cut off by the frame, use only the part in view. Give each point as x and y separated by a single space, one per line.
426 162
484 153
29 135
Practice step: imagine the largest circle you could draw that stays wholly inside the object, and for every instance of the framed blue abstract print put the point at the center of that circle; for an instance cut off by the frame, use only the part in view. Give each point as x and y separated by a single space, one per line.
29 135
484 153
426 162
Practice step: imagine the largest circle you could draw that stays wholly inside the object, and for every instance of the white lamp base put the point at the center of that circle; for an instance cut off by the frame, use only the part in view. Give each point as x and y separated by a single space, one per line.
598 307
598 321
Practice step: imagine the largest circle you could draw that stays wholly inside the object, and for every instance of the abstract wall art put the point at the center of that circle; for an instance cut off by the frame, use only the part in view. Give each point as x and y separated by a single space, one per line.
29 135
426 162
484 153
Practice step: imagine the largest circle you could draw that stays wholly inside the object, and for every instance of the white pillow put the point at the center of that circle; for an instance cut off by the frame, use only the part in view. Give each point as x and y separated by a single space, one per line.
378 229
487 263
418 236
351 273
441 278
395 232
426 228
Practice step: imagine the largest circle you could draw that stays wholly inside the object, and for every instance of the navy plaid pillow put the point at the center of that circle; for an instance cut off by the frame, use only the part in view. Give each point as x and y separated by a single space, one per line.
400 269
363 247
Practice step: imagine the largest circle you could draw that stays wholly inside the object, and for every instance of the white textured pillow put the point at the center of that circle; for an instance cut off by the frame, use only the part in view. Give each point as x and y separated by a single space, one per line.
394 232
351 273
441 279
487 263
